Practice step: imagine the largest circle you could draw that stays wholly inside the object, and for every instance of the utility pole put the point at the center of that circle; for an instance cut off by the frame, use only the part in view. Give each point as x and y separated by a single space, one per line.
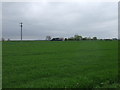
21 25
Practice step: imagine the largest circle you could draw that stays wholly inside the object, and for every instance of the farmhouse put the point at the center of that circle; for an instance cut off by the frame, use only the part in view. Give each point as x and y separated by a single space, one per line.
57 39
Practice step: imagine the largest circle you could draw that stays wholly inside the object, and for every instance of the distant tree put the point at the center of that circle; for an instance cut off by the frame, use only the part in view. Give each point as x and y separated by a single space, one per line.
85 38
108 39
71 39
66 39
77 37
114 38
48 38
8 39
88 38
94 38
100 39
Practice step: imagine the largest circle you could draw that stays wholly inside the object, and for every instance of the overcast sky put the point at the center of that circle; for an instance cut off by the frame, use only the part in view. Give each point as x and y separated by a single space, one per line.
60 19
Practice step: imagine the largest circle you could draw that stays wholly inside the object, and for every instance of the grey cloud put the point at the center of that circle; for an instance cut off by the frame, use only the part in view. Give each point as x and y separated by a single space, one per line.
60 19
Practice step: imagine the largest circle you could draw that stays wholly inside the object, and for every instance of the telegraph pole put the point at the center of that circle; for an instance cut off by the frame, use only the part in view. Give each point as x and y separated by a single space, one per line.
21 25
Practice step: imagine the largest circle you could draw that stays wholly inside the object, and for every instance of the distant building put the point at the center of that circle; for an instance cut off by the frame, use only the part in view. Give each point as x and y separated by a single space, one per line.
57 39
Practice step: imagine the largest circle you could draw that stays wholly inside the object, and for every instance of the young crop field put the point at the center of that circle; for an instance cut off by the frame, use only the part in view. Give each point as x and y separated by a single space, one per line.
60 64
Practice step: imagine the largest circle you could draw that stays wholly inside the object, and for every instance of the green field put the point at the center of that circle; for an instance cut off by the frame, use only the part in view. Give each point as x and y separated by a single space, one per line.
60 64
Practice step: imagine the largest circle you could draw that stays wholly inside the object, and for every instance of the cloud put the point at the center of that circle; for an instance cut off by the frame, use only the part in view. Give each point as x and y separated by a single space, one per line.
0 19
60 19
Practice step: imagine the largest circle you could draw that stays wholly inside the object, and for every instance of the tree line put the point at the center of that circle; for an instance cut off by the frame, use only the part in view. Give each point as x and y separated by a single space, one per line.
74 38
78 37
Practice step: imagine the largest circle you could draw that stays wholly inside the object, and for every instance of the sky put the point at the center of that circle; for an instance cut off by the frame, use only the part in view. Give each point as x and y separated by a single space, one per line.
59 19
119 20
0 20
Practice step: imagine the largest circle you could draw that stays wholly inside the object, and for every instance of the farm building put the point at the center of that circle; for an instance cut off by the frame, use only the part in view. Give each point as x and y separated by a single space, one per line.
57 39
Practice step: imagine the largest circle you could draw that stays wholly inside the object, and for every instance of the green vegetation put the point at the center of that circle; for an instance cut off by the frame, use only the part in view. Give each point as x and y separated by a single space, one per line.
0 64
60 64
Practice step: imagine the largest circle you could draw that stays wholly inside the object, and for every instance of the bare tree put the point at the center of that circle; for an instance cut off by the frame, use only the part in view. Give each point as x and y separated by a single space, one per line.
48 38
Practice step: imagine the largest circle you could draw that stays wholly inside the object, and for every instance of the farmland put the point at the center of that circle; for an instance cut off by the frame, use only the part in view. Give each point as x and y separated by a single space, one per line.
60 64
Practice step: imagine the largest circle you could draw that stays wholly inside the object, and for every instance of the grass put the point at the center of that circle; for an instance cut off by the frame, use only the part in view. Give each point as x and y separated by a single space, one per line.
0 64
60 64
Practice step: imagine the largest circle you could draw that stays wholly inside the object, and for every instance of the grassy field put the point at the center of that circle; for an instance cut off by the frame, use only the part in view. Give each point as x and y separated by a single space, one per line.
60 64
0 64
